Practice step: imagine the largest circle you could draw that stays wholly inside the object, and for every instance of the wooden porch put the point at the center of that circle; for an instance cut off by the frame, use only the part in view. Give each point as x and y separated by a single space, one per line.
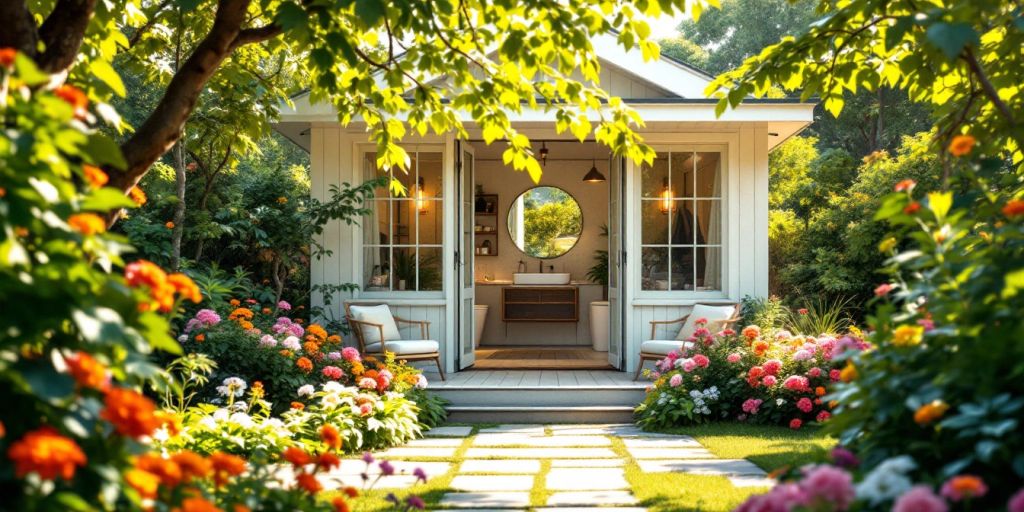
540 358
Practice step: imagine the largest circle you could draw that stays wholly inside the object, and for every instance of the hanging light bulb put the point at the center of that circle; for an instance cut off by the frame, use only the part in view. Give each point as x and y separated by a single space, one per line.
666 205
594 176
543 153
421 204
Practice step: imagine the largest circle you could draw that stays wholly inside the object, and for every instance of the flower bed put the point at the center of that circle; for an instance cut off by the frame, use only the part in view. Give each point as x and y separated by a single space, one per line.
772 377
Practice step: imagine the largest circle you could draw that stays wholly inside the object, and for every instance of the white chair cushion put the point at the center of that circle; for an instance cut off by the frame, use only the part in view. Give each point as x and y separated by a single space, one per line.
663 347
411 347
376 315
715 315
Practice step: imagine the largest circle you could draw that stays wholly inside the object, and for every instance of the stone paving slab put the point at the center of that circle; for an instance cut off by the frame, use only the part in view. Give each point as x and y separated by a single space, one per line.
331 482
486 499
724 467
411 451
449 431
536 430
587 463
537 441
586 479
662 442
670 453
522 467
752 481
436 442
591 498
357 467
590 509
541 453
483 483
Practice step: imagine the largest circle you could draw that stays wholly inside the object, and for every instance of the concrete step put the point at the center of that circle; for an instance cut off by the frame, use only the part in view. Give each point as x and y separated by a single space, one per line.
540 414
543 396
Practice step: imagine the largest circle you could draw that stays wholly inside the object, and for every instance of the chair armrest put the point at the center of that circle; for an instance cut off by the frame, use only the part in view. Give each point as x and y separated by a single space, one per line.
424 325
656 323
357 327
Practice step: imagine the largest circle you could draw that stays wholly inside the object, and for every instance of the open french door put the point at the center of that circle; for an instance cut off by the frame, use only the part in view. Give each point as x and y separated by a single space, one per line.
616 261
465 160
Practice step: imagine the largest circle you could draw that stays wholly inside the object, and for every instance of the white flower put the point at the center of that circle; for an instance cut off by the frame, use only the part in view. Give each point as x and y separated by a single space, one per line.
242 419
221 415
232 386
291 343
183 338
306 390
332 386
779 401
208 423
330 400
421 381
887 481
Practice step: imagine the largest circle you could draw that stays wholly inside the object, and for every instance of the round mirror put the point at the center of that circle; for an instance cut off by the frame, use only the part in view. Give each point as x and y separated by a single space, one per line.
545 222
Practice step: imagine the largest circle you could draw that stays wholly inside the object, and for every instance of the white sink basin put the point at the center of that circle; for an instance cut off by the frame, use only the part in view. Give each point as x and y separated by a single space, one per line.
552 278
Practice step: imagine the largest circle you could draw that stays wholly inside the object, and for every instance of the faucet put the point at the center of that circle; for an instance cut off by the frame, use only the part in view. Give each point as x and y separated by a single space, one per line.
540 265
521 267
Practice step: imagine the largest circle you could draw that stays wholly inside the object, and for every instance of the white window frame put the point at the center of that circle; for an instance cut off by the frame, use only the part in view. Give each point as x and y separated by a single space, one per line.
360 244
727 150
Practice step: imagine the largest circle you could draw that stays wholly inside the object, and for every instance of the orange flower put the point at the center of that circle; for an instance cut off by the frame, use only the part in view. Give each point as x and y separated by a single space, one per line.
47 453
912 208
192 465
964 486
282 200
74 96
298 406
297 456
257 390
148 274
226 466
87 224
304 364
137 195
200 338
285 353
169 224
87 371
848 373
241 314
234 302
905 185
330 436
328 460
1013 208
245 324
185 287
760 347
7 56
166 470
3 430
930 412
334 339
196 504
351 492
145 483
94 176
961 145
317 331
240 508
819 391
265 311
132 414
308 482
340 505
311 347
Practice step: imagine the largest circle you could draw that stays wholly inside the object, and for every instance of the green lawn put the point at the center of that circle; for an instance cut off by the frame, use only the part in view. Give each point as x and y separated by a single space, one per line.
768 447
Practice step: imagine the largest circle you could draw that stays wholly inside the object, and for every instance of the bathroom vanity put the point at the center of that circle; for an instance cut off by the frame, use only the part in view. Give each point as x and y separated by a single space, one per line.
540 304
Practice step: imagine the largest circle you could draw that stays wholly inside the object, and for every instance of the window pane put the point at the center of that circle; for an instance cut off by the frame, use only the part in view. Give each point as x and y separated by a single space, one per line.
682 174
682 268
405 268
405 222
709 221
683 229
709 268
430 268
407 177
430 173
375 268
431 214
653 179
654 223
655 268
377 223
370 172
709 175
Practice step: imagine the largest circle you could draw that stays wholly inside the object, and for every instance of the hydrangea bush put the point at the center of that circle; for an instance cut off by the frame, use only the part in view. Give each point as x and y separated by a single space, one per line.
758 376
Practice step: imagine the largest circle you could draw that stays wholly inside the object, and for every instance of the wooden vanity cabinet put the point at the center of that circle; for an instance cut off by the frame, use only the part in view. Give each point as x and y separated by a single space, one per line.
540 304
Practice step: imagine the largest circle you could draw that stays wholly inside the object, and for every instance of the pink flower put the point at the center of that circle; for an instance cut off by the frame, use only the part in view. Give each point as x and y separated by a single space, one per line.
796 383
1016 503
883 289
751 405
802 311
701 321
814 372
333 372
772 366
350 354
963 487
689 365
834 375
284 306
727 332
769 380
919 498
367 383
334 356
828 485
268 341
676 380
802 355
804 404
733 358
782 498
795 424
701 360
365 409
755 372
844 458
823 416
927 323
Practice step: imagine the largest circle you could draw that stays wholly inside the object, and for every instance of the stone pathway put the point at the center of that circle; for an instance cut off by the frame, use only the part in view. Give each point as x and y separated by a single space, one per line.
578 466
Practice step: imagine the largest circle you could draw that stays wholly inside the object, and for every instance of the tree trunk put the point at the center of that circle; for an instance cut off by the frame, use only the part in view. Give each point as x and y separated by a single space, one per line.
179 209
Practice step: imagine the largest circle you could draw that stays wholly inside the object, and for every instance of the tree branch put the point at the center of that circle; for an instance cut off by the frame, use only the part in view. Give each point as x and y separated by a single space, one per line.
256 35
986 86
19 27
62 33
150 21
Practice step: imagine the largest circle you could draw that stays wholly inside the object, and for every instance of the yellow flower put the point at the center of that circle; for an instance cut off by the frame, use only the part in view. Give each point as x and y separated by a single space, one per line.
282 200
907 335
887 245
930 412
849 373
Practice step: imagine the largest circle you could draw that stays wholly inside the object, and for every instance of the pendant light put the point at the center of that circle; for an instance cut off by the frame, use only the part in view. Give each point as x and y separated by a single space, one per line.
666 204
543 153
594 176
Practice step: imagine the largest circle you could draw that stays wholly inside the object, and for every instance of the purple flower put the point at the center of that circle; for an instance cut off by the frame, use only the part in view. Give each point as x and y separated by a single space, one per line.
368 458
284 306
420 474
415 502
844 458
296 330
386 468
1016 503
828 485
334 356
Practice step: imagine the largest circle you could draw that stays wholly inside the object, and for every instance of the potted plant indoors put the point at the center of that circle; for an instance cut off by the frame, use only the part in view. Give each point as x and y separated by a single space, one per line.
599 319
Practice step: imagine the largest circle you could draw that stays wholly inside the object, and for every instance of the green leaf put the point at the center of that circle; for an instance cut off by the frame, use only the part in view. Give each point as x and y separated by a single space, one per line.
72 501
951 38
187 5
104 151
106 199
1014 283
290 15
370 11
96 324
106 73
46 382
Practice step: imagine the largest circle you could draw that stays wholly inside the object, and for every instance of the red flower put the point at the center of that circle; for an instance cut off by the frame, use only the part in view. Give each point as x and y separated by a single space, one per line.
905 185
912 208
1014 208
7 56
297 456
330 436
795 424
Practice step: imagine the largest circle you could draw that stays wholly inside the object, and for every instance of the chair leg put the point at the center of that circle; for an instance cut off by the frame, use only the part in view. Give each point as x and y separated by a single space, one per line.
639 368
440 370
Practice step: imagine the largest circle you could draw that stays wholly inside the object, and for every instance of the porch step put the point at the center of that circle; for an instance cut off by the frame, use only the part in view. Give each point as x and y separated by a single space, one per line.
540 414
564 397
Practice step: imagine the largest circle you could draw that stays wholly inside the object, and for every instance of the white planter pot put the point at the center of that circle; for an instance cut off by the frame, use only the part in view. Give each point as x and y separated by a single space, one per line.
599 325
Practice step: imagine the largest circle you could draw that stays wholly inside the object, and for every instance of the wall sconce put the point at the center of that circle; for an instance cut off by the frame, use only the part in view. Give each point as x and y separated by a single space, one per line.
421 204
666 204
543 153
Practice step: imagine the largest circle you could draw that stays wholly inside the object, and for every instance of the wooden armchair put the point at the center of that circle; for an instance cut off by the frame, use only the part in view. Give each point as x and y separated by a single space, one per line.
718 316
376 332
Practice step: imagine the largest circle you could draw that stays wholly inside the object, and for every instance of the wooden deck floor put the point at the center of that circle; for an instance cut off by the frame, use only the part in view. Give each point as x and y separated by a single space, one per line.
533 379
540 358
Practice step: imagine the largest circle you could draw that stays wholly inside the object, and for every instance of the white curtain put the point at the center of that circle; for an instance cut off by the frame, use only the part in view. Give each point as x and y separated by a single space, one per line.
372 259
713 257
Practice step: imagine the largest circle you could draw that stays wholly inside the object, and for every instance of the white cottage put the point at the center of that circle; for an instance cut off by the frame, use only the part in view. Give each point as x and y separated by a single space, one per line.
499 267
